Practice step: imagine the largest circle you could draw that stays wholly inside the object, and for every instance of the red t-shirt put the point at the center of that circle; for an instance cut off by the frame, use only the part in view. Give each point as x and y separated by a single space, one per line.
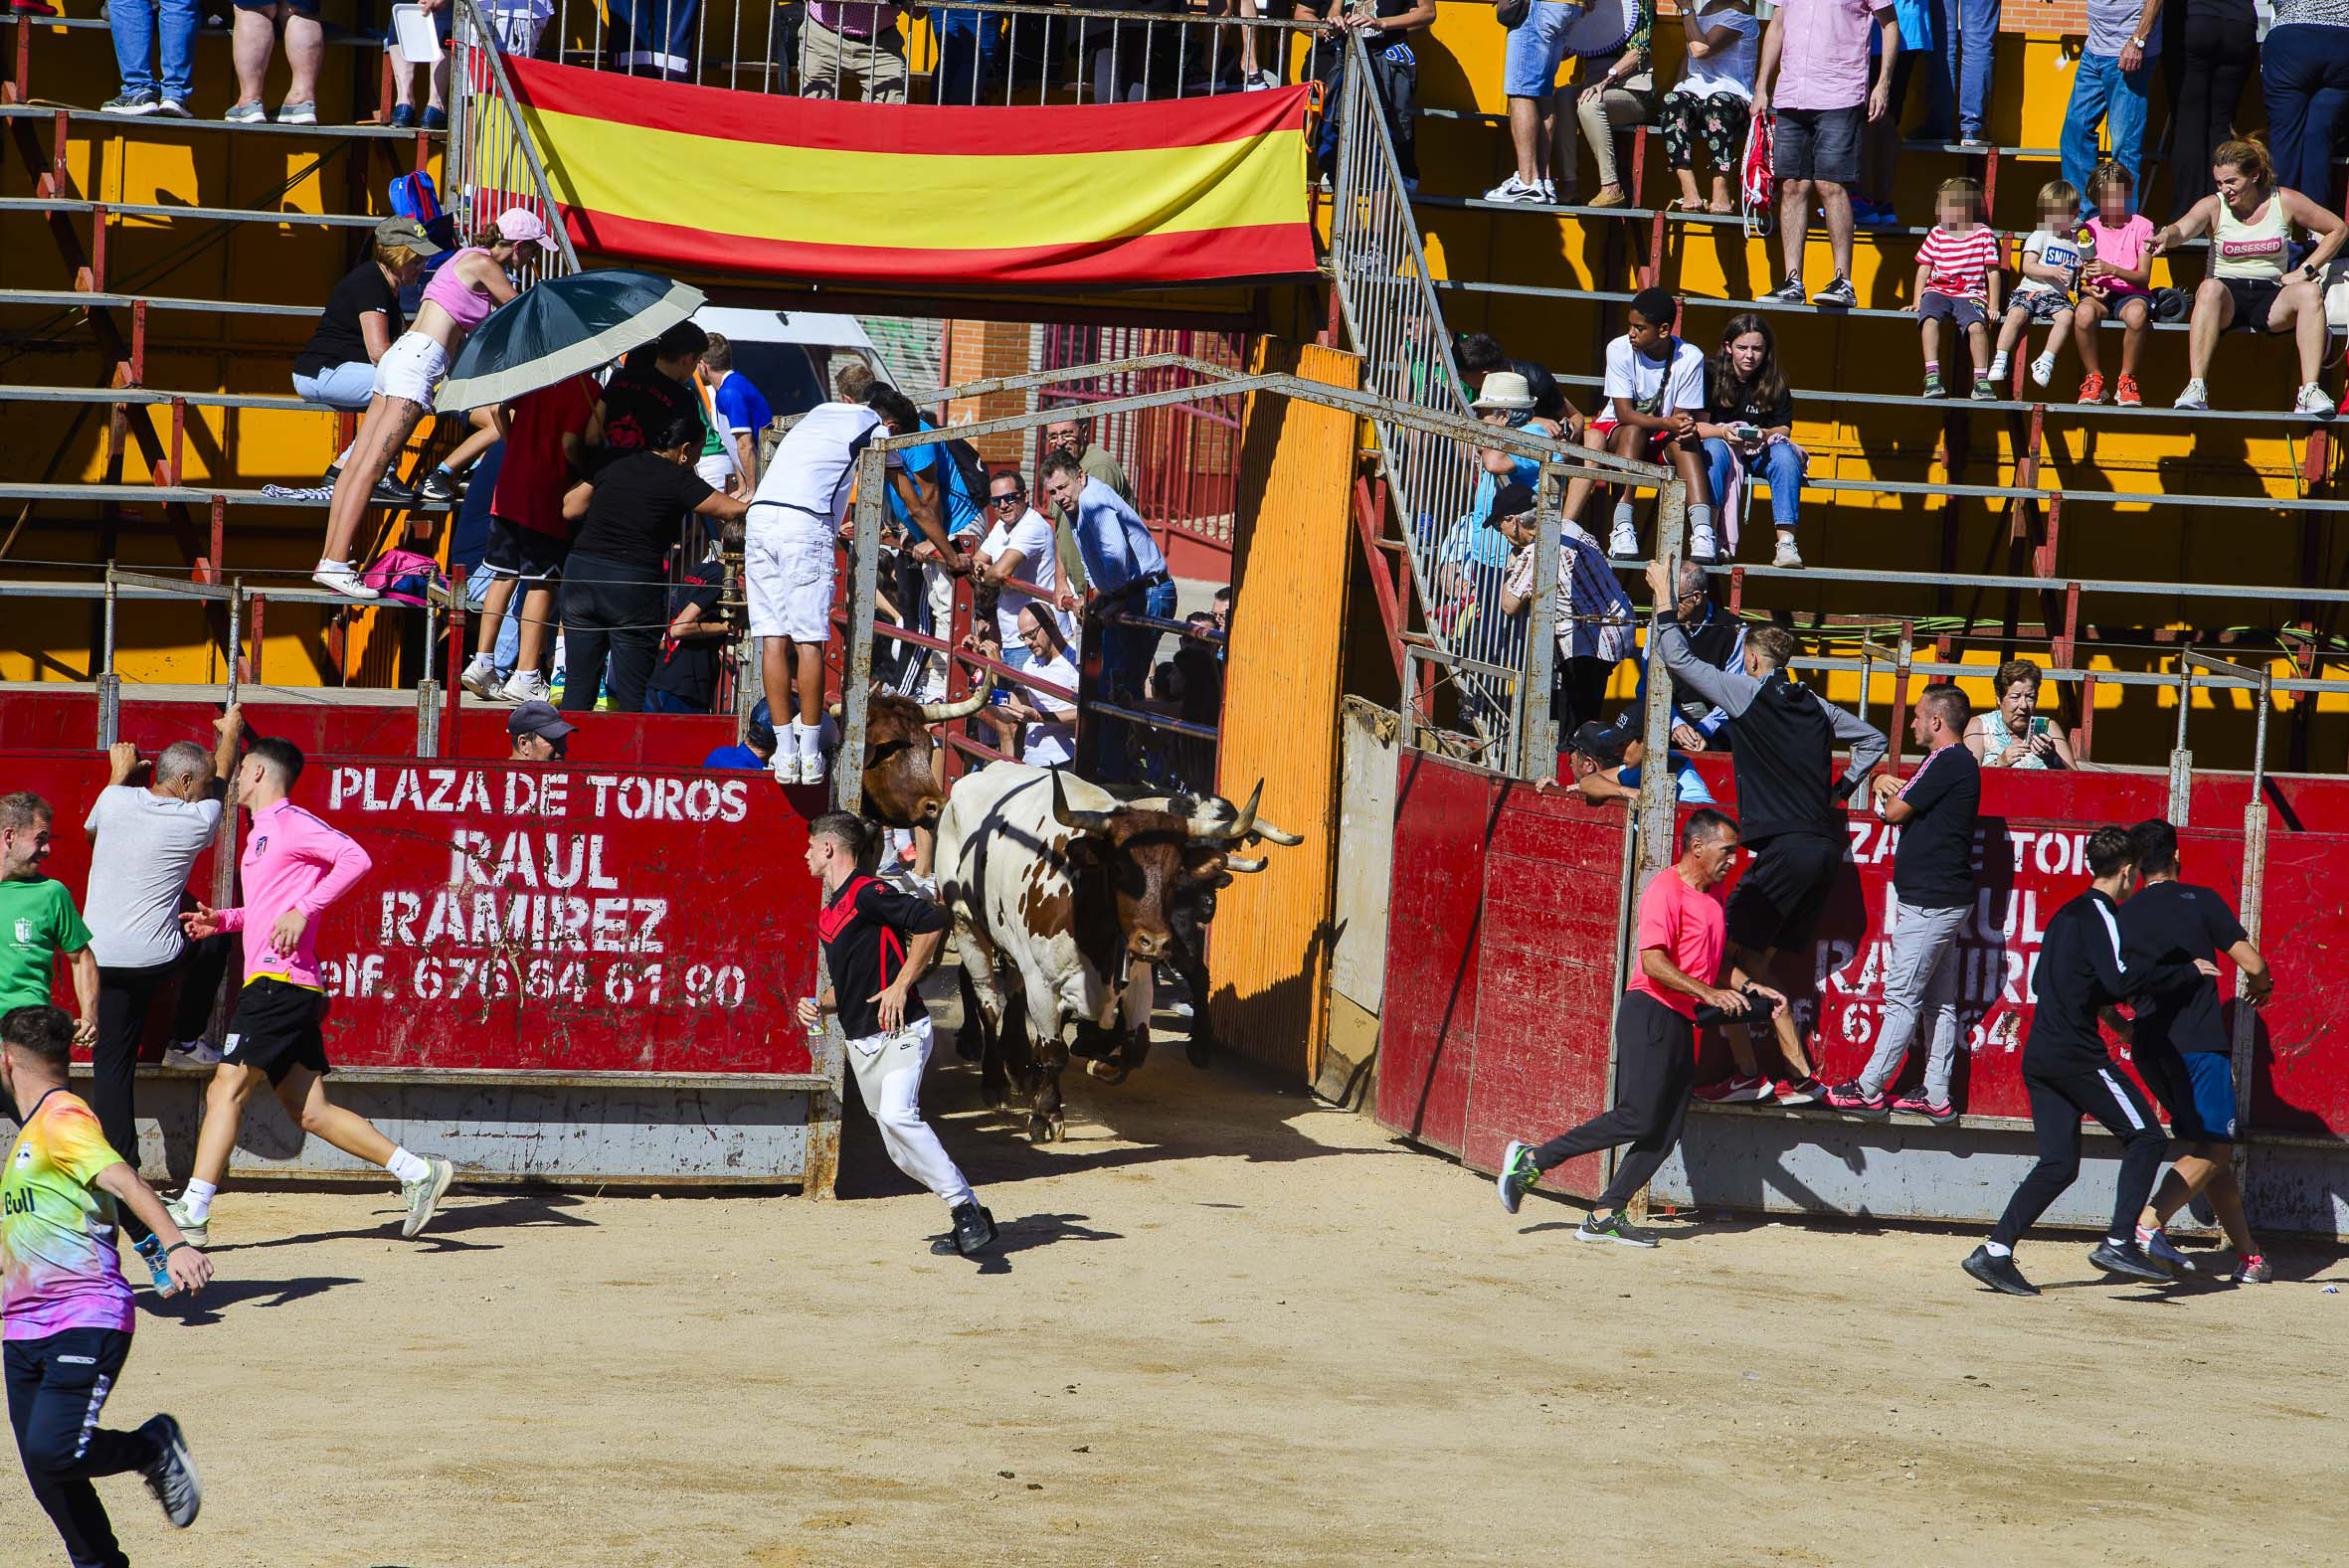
1689 927
531 482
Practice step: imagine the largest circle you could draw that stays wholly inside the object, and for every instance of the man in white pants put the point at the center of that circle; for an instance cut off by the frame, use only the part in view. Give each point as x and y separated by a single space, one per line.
1932 893
876 942
788 556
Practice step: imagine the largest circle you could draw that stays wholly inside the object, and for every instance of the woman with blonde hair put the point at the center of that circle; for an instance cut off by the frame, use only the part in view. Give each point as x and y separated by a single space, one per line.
461 295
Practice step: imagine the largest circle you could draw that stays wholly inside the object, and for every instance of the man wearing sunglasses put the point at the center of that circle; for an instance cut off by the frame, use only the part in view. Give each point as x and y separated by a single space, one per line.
1017 547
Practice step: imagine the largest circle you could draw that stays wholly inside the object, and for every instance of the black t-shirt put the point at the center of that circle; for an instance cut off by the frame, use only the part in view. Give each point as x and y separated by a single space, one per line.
338 339
638 510
1934 866
1735 405
864 946
639 407
2170 923
690 666
1549 400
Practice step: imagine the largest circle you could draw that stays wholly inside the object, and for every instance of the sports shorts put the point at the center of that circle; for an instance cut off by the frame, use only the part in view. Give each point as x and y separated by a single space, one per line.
2197 1089
525 553
411 368
2254 297
1958 312
276 1028
1777 904
788 575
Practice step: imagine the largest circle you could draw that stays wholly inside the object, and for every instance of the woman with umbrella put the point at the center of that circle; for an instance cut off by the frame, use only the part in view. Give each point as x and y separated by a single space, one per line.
468 285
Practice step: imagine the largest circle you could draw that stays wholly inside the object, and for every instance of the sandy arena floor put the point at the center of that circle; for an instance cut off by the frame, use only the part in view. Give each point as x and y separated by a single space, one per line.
1227 1326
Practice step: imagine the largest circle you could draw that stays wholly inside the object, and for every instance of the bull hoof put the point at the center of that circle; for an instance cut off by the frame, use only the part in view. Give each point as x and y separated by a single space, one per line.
1107 1072
966 1048
1042 1129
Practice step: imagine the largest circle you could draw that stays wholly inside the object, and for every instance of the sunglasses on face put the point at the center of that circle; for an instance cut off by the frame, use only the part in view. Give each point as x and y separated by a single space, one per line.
1012 499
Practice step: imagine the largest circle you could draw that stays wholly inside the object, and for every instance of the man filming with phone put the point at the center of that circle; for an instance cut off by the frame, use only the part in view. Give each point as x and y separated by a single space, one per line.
1682 931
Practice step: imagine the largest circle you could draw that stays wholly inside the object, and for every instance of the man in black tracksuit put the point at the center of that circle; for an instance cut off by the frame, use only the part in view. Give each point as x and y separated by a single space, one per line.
1782 744
2068 1073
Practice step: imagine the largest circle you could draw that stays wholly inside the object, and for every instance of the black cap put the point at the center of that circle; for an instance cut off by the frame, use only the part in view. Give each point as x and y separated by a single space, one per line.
1511 500
1604 743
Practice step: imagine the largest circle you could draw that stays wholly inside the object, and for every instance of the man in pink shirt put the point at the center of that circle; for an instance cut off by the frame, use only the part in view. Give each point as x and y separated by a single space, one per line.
295 866
1682 931
1814 72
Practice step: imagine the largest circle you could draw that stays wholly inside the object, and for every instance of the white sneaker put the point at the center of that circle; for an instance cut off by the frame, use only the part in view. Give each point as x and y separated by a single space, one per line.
1788 556
198 1232
786 767
2194 396
2313 401
424 1197
1702 546
522 687
481 677
2042 370
812 768
1623 542
1514 189
338 576
197 1055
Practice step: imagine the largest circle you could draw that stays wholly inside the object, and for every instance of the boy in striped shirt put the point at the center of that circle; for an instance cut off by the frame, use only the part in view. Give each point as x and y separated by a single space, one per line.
295 865
1957 281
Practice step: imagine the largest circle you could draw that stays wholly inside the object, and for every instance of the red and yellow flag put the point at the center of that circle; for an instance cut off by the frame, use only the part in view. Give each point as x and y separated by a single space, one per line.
1208 189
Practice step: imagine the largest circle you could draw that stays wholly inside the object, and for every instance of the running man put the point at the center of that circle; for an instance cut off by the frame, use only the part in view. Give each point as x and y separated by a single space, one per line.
877 942
788 555
38 922
1933 892
2068 1073
68 1308
295 866
1680 934
1782 746
2180 1046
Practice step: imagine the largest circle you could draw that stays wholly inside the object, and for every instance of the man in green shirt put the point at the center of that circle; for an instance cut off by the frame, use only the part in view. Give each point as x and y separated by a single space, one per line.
1075 437
38 921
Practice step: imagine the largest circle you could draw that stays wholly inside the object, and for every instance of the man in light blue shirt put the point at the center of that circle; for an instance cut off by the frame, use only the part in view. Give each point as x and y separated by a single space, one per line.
1128 574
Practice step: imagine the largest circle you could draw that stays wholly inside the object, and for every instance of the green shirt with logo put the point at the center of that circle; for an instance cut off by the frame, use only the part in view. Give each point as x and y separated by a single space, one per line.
38 922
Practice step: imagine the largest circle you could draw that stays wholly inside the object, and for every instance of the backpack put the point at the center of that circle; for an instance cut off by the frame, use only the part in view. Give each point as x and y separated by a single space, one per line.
403 575
968 467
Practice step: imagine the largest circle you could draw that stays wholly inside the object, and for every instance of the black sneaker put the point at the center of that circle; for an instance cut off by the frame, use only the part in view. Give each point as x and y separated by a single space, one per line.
974 1232
391 492
2000 1274
1518 1174
439 485
172 1478
1614 1228
2125 1258
1789 293
1837 295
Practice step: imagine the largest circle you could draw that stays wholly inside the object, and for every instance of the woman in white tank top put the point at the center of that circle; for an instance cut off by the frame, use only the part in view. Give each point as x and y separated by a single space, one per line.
2250 218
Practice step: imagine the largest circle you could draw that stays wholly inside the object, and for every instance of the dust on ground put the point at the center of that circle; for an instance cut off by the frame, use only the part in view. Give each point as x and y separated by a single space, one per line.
1227 1325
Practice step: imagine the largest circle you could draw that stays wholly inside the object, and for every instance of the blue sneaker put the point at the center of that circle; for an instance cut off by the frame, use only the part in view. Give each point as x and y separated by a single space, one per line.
150 1252
1518 1174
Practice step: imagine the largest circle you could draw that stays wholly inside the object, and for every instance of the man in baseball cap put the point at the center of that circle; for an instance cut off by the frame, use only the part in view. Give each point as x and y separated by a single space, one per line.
521 226
407 234
539 731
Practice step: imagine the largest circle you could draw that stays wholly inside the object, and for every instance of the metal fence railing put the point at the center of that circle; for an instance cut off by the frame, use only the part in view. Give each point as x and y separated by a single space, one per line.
491 165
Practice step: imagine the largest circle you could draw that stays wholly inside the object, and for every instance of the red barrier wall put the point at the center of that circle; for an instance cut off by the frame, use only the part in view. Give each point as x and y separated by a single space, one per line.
1501 946
68 721
568 918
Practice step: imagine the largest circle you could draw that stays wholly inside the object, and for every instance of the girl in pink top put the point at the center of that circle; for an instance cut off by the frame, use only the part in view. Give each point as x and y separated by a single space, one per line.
468 285
2113 281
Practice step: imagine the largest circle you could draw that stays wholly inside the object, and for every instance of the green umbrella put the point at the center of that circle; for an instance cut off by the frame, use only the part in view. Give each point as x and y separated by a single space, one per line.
561 327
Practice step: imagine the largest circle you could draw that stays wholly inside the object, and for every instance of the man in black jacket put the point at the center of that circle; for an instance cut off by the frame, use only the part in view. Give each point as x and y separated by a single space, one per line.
1782 742
2068 1073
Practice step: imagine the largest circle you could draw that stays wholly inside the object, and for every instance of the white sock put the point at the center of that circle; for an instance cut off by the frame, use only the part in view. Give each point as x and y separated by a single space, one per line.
1998 365
1622 514
807 740
405 1166
1700 519
1998 1248
197 1199
2130 1240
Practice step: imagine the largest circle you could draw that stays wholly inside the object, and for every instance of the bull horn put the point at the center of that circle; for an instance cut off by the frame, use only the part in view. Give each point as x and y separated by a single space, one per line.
941 712
1241 864
1068 816
1271 834
1246 820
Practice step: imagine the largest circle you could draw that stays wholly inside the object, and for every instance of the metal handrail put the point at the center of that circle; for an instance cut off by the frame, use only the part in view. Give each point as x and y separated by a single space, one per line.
473 38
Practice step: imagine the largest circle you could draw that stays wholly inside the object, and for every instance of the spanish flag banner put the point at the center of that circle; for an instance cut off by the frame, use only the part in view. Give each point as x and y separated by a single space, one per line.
1206 190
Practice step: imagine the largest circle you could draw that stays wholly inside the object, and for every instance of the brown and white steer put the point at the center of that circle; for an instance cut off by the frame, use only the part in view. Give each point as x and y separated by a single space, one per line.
1074 892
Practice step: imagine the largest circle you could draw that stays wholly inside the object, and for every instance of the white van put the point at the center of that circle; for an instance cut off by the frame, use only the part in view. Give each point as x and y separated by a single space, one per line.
790 356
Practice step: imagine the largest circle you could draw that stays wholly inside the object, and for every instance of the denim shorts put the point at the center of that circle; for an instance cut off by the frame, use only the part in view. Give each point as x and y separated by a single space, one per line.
1818 145
2040 304
1536 48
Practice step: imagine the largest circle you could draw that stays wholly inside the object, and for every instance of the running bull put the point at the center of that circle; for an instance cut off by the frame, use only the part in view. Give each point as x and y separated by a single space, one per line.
902 787
1076 902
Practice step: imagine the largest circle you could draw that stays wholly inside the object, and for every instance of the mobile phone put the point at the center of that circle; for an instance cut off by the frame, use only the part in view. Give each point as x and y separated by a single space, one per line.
1746 433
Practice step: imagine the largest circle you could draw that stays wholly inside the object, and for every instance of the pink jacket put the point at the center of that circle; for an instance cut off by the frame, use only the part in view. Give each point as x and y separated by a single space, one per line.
292 860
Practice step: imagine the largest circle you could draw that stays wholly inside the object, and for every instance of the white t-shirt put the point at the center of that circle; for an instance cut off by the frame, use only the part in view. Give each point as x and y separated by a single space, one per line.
1056 742
815 467
1039 563
2049 250
145 846
1731 71
1679 382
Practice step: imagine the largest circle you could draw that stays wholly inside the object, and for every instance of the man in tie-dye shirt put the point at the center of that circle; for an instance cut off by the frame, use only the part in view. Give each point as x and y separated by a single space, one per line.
65 1306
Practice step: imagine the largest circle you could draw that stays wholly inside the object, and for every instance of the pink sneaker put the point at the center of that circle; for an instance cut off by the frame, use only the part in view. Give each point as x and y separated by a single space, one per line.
1940 1111
1735 1091
1852 1099
1804 1093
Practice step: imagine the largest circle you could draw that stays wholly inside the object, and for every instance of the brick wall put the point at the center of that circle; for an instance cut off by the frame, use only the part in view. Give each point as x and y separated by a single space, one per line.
977 351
